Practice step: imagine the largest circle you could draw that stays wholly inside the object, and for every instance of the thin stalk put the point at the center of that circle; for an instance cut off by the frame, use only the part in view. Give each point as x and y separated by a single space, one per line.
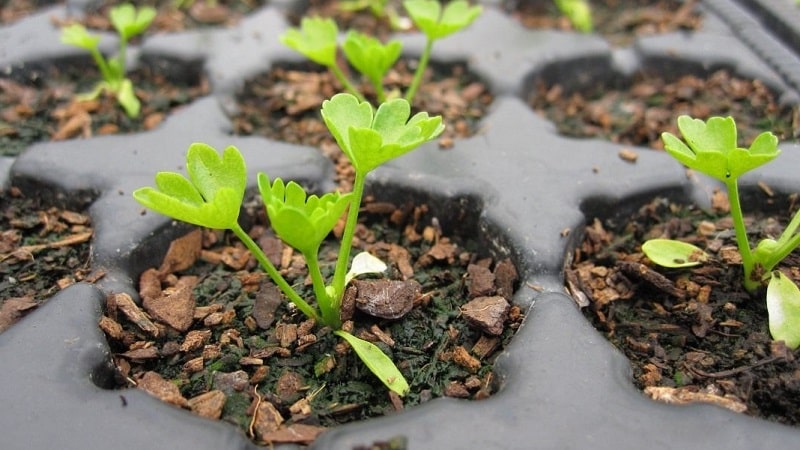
347 236
105 70
379 92
327 305
423 64
741 234
337 72
276 276
783 251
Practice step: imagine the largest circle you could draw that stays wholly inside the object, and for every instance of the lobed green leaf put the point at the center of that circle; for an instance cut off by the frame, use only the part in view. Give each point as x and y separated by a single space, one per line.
436 23
369 56
77 36
315 39
128 21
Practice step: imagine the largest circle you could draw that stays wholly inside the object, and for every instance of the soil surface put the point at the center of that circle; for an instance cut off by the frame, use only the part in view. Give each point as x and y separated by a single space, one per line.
43 249
217 337
637 111
619 21
40 105
690 334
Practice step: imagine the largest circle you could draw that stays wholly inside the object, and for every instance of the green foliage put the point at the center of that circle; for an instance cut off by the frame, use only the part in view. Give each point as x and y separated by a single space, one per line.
711 147
673 254
316 39
129 22
212 196
579 13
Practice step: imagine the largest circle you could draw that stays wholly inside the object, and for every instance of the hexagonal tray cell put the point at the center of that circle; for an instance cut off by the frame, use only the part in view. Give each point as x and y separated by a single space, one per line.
446 345
39 99
694 334
596 98
620 22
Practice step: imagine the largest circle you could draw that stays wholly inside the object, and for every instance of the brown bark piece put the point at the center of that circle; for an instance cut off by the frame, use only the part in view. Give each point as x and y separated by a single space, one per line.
480 281
487 313
124 303
208 404
175 307
387 299
267 300
505 277
297 433
13 309
268 419
155 385
462 357
182 252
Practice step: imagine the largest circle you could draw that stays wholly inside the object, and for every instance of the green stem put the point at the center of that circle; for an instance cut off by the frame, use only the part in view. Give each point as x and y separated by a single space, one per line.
423 64
741 235
105 70
284 286
328 305
337 72
347 236
379 92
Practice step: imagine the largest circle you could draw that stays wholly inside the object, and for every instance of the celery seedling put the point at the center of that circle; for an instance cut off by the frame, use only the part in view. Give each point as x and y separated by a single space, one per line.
213 193
129 22
436 23
317 40
711 148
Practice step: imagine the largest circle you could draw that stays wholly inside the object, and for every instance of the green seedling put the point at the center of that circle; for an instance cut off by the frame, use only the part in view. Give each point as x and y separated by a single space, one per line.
129 22
711 148
213 193
579 13
317 37
381 9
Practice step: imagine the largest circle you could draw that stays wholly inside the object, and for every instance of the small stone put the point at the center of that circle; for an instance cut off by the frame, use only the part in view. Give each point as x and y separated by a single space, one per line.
208 405
487 314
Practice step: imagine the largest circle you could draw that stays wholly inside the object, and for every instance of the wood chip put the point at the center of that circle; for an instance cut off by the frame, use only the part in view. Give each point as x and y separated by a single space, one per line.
387 299
684 396
487 314
208 404
175 307
480 281
13 309
155 385
124 303
462 357
182 252
268 299
267 420
297 433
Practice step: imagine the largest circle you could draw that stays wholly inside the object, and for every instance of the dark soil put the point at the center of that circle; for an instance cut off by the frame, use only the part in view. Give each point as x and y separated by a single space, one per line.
619 21
691 334
43 249
637 111
39 105
246 357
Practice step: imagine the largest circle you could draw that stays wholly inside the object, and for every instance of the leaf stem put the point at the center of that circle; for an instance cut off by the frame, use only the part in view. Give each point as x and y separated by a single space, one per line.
337 72
105 69
328 305
741 234
423 64
276 276
347 236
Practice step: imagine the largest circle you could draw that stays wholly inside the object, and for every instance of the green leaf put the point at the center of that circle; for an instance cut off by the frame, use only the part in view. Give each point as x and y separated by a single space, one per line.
377 362
371 141
127 98
673 254
428 16
128 21
211 196
369 56
316 40
579 13
300 220
711 148
783 307
77 36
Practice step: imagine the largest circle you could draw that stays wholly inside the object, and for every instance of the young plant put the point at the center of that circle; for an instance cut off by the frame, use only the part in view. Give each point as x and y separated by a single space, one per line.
212 196
129 22
579 13
317 37
711 148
